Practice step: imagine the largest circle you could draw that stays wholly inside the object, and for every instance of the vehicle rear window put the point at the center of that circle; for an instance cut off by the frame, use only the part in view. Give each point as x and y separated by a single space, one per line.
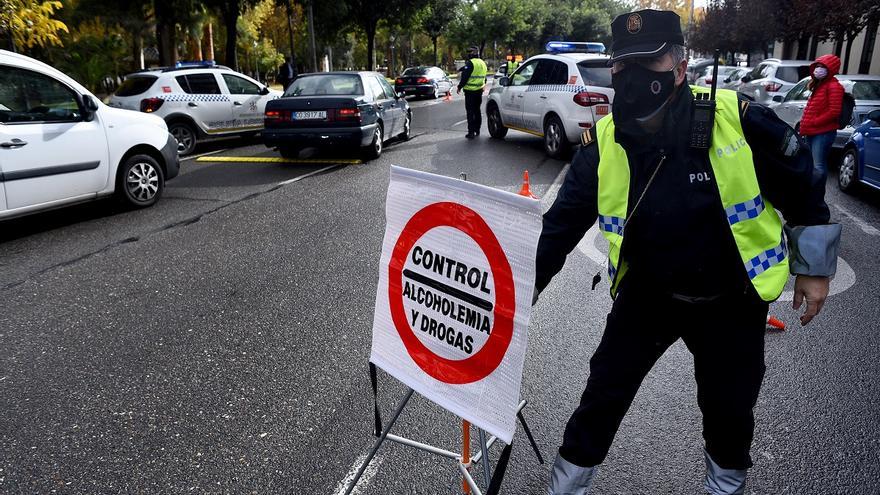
415 71
199 84
792 74
595 73
866 90
135 85
326 84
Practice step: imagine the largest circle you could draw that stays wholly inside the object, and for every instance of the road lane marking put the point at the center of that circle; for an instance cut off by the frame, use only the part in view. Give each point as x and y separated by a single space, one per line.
278 159
371 471
553 190
460 122
203 154
865 226
304 176
843 280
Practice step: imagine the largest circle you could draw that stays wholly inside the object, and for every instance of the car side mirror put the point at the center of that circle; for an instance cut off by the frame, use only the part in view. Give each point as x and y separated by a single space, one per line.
777 98
264 91
400 94
504 81
90 107
875 115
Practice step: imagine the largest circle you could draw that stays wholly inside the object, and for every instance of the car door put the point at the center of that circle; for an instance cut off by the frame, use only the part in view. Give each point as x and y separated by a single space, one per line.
205 102
248 104
547 81
791 110
398 106
871 169
48 151
382 103
512 99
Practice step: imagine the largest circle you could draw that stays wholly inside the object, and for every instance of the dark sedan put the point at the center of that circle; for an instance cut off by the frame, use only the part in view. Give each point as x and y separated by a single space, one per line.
348 109
424 81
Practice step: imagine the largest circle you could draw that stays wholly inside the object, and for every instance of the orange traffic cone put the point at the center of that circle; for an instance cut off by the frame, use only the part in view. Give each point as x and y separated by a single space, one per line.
526 189
775 323
448 96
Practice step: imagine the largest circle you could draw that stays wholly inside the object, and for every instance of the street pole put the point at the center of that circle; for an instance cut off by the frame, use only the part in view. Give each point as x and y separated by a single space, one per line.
312 37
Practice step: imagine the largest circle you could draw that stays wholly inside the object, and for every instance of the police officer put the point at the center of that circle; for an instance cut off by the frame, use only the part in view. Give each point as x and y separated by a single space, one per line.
512 65
696 248
472 81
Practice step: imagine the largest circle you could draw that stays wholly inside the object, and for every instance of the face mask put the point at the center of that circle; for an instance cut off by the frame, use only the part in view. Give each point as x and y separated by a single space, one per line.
639 94
820 72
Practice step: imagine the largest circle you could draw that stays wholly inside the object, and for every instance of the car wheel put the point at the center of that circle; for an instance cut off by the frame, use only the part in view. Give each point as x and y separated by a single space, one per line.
496 126
140 181
848 177
407 128
555 142
374 150
291 152
185 136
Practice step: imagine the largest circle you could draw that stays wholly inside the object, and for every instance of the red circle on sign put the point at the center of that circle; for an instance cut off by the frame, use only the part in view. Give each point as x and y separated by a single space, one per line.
487 359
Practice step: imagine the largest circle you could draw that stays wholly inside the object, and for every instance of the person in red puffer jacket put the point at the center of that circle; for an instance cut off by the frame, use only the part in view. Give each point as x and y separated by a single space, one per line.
819 123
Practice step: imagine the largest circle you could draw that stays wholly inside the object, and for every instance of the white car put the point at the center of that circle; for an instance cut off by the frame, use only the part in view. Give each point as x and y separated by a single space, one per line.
556 96
197 102
60 145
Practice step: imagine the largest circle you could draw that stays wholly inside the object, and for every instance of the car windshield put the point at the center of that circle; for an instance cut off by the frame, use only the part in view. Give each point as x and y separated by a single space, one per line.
866 90
135 85
792 73
326 84
416 71
595 73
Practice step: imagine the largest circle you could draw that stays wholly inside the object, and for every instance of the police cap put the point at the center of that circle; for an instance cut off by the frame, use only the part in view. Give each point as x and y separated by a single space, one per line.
644 33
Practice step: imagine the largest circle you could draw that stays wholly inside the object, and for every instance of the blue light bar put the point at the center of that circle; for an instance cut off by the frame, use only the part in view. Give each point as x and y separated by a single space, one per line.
574 47
194 63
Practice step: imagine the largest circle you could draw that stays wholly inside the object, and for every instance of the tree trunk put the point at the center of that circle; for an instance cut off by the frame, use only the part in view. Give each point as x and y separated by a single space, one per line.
371 39
290 28
230 19
849 42
434 40
208 39
814 45
137 51
803 45
838 44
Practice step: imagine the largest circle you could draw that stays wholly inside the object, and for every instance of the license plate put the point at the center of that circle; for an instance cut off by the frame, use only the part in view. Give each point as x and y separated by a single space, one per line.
315 115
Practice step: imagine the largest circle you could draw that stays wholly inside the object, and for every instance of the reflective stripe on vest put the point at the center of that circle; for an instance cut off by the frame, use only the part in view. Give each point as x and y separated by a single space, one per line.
756 228
478 76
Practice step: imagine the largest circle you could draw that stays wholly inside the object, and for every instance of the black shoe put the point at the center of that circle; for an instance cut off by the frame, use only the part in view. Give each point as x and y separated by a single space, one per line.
470 135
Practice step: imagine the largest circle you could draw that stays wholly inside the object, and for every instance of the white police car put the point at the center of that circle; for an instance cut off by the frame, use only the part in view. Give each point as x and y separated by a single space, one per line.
557 95
197 101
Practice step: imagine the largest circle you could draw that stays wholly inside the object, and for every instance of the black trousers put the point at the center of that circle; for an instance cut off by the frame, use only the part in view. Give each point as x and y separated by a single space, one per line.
472 102
726 338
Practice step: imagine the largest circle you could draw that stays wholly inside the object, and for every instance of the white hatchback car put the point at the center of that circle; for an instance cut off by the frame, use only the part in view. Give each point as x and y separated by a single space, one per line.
197 102
556 96
60 145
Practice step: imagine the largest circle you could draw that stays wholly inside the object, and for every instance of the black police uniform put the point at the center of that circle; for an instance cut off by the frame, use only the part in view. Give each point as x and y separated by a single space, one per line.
473 100
685 278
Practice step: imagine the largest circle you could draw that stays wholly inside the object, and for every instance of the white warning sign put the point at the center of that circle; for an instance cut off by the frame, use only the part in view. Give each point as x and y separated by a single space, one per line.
456 279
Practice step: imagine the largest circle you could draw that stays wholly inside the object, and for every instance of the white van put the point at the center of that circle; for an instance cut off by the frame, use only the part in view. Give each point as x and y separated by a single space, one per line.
60 145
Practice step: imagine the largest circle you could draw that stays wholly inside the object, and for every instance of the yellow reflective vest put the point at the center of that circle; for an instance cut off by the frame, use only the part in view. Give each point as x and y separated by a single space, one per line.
478 76
756 228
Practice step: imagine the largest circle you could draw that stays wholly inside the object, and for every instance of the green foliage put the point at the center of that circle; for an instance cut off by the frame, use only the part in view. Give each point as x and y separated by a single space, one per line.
93 55
32 22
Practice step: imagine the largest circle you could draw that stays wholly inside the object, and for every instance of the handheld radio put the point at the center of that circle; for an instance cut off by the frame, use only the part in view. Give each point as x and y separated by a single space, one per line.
703 114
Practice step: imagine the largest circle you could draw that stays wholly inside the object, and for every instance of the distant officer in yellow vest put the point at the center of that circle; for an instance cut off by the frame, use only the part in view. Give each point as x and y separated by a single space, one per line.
696 248
472 81
512 65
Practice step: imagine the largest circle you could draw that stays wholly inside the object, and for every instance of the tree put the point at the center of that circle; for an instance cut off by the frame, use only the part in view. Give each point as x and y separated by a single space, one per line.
436 17
845 20
366 14
29 23
229 11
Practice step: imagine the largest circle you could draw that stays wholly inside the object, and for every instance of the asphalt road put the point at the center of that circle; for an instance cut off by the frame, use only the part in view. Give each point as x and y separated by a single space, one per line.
218 343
